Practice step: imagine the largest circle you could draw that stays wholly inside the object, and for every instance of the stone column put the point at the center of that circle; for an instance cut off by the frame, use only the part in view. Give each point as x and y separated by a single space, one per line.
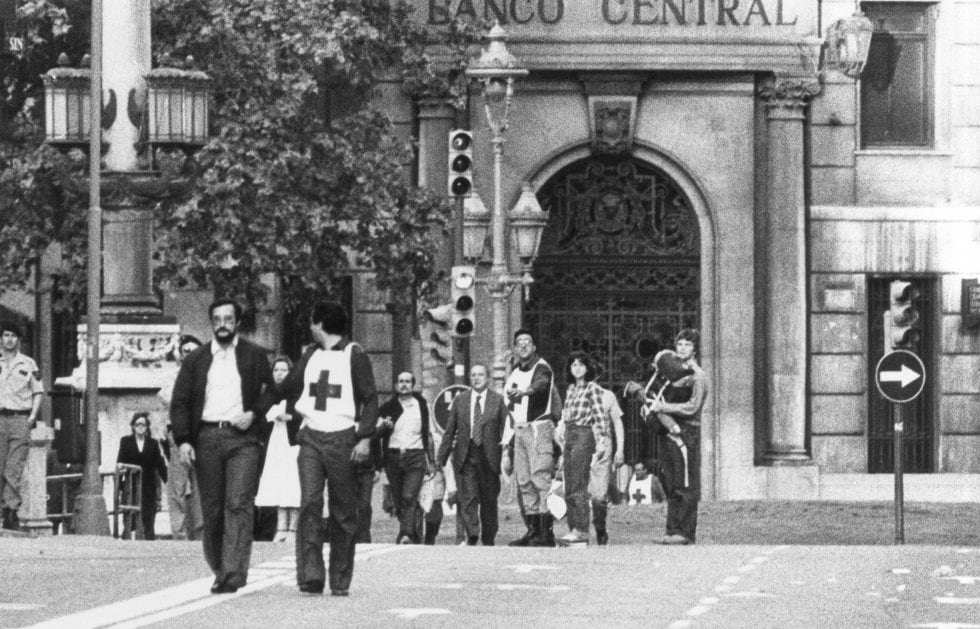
784 249
33 513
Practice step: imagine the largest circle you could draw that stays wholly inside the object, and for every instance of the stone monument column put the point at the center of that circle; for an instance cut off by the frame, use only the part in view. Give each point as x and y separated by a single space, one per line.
784 247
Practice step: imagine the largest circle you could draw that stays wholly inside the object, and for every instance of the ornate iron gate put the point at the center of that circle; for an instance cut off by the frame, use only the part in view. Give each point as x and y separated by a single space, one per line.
617 275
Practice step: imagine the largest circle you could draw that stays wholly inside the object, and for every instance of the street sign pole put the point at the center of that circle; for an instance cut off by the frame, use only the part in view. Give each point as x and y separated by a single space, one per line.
900 377
899 471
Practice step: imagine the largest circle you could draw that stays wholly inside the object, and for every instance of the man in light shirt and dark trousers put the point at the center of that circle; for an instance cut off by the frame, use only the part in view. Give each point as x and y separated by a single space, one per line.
216 400
331 393
405 441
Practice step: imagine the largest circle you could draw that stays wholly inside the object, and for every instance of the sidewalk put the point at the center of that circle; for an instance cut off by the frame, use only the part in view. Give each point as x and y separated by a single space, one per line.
762 522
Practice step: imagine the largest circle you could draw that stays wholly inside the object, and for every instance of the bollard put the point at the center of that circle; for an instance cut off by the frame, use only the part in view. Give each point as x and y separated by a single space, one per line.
33 512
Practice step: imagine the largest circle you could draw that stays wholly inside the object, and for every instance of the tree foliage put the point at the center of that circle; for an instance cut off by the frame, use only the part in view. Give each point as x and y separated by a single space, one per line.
279 187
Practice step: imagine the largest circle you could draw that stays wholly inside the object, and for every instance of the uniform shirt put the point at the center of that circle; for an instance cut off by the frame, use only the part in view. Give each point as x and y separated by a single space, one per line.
407 431
20 381
223 395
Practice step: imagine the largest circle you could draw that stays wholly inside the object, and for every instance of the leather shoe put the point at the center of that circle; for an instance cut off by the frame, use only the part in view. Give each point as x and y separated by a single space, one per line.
223 587
314 586
602 538
339 592
674 540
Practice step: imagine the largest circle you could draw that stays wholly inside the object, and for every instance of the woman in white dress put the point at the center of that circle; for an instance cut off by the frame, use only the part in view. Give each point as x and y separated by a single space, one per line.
279 484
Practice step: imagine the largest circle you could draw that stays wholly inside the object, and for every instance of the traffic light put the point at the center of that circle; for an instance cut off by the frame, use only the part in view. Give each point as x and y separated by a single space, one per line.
460 163
437 338
903 321
463 293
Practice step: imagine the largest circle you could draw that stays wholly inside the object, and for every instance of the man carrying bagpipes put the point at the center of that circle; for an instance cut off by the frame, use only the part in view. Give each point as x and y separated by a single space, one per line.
673 399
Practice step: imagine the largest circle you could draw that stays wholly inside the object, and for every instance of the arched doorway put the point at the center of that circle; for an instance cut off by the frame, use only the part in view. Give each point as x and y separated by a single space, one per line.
618 272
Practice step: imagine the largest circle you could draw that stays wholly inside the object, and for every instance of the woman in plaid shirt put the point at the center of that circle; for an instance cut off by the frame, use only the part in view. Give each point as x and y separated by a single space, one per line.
582 412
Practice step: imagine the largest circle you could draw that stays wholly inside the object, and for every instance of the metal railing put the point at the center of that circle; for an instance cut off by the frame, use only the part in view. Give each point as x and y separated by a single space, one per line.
127 496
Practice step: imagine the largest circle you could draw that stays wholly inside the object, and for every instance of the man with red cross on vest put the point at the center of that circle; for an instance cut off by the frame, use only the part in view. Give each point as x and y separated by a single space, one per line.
332 398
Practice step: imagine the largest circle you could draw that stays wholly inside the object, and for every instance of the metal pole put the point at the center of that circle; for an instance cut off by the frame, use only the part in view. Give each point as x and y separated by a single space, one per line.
899 479
498 273
91 518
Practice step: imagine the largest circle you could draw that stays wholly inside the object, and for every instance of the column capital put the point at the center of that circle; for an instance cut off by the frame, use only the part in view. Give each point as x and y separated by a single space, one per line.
788 94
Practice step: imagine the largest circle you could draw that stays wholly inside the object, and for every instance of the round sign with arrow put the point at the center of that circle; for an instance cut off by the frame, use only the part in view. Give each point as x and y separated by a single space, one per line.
900 376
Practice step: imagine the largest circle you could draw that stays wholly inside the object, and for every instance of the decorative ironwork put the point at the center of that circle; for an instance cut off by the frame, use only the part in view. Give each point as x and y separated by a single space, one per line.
617 275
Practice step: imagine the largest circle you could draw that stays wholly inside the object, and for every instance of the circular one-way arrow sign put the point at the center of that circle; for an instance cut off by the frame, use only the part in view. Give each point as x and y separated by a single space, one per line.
440 405
900 376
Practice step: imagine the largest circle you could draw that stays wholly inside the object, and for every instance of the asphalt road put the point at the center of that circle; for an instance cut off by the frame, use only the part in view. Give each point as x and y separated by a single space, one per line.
77 582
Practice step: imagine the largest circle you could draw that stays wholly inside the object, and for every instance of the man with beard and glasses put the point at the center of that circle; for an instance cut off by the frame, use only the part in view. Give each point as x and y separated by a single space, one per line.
216 401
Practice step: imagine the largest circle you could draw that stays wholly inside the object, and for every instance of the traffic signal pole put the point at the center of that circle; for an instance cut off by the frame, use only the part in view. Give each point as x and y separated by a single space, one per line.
899 468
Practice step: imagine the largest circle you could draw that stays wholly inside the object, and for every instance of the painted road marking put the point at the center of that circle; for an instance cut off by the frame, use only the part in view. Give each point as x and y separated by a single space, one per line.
180 599
526 568
508 587
413 613
952 600
901 571
964 580
948 625
18 607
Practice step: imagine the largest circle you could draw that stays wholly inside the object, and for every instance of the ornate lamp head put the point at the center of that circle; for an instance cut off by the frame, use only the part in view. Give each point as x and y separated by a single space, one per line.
848 41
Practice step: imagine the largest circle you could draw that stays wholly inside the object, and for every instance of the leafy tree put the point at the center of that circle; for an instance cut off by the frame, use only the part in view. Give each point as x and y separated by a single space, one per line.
279 187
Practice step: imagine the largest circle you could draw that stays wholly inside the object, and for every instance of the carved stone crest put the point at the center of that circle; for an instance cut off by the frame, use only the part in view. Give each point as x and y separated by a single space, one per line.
613 123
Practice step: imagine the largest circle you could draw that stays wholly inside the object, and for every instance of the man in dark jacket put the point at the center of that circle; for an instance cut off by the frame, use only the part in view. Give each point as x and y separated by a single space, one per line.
404 425
217 400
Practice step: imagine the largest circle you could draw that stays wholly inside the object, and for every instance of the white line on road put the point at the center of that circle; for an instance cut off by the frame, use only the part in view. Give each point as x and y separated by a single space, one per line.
179 599
952 600
17 607
413 613
525 568
964 580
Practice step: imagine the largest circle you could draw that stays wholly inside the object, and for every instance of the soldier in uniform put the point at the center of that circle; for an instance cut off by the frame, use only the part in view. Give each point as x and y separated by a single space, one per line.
20 401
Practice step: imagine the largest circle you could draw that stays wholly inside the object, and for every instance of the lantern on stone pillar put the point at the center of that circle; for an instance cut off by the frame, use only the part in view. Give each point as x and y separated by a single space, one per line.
67 103
177 107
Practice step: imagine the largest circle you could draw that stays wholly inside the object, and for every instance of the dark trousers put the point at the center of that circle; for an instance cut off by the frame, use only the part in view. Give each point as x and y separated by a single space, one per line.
427 525
364 477
324 458
228 474
579 448
405 470
478 488
680 478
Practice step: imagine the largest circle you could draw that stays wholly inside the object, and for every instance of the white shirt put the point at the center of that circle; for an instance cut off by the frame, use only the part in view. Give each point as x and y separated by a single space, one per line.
407 432
223 393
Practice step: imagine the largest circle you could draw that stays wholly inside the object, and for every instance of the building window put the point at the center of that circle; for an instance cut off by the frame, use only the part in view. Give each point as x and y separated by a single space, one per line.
896 86
918 452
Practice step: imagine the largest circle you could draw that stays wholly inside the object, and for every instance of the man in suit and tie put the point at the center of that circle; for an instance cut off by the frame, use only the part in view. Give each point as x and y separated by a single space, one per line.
473 433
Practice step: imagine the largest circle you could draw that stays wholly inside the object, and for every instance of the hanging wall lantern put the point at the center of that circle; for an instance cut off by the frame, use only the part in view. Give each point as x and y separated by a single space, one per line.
848 41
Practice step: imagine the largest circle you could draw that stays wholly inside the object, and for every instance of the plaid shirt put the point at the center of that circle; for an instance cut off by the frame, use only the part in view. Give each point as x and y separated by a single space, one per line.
583 405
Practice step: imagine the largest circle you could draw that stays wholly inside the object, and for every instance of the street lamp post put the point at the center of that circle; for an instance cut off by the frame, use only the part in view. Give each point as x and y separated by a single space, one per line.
496 69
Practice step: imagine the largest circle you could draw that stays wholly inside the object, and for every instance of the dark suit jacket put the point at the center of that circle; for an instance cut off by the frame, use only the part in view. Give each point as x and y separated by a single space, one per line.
150 461
187 402
458 429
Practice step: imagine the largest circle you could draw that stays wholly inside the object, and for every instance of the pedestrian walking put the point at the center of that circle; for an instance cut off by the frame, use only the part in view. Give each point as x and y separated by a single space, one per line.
217 400
679 443
279 483
473 433
583 411
332 392
528 391
607 459
20 402
140 448
408 454
183 497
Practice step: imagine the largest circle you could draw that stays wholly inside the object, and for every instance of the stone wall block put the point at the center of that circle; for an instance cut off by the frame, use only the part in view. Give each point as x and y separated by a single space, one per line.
960 413
959 454
956 339
838 414
840 454
960 373
838 373
837 333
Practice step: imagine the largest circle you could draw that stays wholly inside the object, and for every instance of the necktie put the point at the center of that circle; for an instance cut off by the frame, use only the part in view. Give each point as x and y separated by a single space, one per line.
478 420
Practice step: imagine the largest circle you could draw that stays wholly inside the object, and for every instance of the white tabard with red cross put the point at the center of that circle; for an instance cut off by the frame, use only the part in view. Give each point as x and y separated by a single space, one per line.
327 401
